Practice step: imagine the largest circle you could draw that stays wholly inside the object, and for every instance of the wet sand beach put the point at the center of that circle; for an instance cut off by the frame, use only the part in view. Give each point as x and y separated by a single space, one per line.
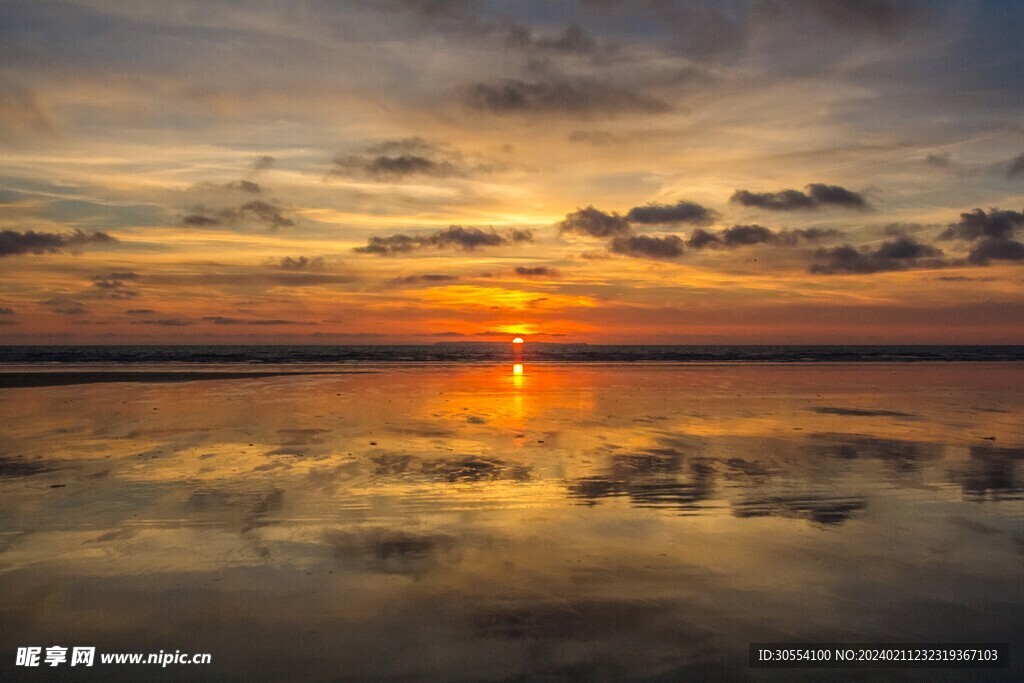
15 380
461 522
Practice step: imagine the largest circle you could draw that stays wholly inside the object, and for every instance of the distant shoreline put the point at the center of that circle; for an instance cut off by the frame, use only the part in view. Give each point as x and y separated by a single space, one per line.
26 358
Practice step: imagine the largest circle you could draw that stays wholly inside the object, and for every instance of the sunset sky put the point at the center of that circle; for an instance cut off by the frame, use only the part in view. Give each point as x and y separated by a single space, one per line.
748 171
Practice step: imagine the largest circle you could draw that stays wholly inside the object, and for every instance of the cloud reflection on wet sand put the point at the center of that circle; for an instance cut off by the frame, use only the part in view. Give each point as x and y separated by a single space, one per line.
589 521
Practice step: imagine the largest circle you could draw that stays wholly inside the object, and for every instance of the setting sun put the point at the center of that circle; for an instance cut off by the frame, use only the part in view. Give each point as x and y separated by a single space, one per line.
517 340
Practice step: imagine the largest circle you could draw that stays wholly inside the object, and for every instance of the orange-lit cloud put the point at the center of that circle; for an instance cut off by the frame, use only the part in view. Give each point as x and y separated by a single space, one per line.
403 175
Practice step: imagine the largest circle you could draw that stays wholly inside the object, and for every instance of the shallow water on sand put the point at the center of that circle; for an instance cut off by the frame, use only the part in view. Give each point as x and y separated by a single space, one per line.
590 522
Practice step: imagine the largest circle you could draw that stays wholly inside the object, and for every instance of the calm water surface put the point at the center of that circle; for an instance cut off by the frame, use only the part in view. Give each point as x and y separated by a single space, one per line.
586 522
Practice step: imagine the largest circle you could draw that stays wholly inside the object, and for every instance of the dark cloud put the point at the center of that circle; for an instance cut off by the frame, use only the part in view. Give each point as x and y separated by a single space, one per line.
978 224
244 186
262 163
393 168
996 249
939 160
299 262
454 15
349 335
391 245
472 238
65 305
595 223
13 243
112 288
200 220
905 248
701 238
680 212
113 285
889 18
164 322
836 195
579 97
221 320
265 213
697 30
808 234
256 210
745 235
117 275
413 145
454 236
1016 166
573 40
6 311
395 160
247 277
785 200
532 271
645 246
816 195
901 253
140 311
428 277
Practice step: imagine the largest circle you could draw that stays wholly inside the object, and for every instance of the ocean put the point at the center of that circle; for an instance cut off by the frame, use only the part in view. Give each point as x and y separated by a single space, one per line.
499 352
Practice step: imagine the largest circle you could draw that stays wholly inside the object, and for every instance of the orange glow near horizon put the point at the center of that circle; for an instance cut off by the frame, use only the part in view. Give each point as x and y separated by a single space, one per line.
420 206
